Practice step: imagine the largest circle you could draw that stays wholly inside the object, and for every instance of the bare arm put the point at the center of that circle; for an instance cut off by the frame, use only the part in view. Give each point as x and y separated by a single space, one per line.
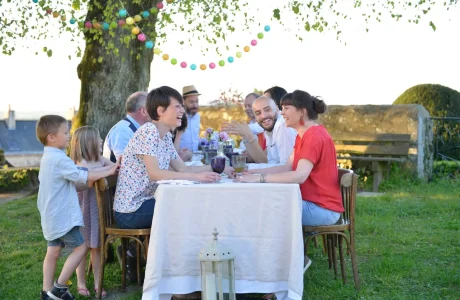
96 174
300 175
179 165
250 142
105 161
255 151
156 174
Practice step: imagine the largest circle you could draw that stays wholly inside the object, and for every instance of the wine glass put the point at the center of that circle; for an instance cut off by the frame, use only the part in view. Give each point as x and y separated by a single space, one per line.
239 164
208 155
218 164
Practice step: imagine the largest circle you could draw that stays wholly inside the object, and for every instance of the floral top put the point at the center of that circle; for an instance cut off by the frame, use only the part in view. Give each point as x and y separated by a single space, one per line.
134 185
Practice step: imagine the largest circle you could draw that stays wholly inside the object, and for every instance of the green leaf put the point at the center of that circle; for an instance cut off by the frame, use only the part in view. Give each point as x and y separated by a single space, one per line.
432 25
49 53
276 14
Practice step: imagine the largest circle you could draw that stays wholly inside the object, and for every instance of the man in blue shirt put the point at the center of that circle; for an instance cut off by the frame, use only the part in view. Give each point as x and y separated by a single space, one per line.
191 136
120 134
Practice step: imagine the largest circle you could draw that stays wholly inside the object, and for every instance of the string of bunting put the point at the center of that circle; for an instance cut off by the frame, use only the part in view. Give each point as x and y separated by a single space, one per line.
134 21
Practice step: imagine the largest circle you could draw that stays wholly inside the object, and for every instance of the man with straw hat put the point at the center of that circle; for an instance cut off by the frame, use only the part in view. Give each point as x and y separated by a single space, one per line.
191 136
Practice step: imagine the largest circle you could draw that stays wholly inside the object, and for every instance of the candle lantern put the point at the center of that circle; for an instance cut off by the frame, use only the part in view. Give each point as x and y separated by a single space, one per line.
217 270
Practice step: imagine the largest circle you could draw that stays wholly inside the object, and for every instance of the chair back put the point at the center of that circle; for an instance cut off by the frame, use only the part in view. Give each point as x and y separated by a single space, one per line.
348 187
105 193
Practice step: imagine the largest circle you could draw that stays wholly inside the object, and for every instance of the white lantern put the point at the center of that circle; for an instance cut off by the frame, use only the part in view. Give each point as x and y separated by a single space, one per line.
215 259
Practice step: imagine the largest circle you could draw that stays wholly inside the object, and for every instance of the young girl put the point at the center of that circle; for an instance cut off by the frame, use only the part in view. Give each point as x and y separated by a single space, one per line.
86 148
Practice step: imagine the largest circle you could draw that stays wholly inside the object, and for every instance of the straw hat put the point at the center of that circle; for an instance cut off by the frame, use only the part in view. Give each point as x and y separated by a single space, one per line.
189 90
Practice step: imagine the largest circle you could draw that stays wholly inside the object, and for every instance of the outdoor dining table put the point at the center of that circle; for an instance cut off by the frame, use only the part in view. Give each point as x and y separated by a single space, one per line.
260 222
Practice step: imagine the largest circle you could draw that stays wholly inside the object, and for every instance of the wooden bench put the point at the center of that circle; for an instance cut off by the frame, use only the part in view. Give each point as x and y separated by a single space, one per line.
379 149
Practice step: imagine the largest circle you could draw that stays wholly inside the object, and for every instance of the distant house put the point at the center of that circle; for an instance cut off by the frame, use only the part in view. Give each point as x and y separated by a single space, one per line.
19 142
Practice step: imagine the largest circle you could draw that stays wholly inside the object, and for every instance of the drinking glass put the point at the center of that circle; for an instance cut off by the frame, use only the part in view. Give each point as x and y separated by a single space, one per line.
239 164
228 152
208 155
218 164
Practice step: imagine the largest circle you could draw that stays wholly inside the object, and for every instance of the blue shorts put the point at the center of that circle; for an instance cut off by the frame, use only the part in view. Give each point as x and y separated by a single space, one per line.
314 215
71 239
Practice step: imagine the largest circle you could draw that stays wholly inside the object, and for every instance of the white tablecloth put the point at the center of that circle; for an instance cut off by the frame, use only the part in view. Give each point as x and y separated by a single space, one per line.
261 223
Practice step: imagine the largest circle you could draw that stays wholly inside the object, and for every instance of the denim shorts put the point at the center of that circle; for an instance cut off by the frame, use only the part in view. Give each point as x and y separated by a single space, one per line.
315 215
71 239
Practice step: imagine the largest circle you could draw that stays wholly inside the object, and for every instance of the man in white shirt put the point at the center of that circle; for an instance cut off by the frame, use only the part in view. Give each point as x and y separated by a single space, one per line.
119 135
279 139
191 136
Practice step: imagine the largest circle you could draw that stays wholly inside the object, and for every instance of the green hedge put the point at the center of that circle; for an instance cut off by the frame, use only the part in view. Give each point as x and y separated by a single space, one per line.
439 101
14 179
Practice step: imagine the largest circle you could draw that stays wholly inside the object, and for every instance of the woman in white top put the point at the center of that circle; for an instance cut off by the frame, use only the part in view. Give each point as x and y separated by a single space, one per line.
147 158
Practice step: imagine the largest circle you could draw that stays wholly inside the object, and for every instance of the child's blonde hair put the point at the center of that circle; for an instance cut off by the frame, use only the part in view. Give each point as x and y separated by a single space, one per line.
47 125
85 144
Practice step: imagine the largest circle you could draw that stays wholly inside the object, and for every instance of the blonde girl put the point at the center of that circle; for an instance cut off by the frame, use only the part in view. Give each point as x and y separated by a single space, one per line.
85 151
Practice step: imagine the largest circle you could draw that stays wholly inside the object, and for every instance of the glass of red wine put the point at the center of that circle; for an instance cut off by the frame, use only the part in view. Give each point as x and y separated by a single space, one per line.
218 164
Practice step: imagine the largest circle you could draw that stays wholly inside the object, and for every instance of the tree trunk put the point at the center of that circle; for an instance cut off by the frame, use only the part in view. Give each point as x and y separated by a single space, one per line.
106 85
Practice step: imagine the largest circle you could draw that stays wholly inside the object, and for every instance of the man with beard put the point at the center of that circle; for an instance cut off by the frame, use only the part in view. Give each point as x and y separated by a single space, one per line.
279 139
191 136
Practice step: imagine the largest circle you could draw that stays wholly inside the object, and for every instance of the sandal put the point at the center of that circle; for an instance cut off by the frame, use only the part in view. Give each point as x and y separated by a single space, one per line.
83 292
103 293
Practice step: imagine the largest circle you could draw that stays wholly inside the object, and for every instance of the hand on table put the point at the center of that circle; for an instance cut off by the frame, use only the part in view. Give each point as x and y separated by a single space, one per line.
229 171
207 177
248 178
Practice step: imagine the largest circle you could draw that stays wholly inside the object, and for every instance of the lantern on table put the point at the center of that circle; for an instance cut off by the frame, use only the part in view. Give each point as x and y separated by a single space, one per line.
215 259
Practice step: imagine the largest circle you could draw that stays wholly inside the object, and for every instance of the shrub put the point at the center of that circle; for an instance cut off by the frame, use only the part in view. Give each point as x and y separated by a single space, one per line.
438 100
16 179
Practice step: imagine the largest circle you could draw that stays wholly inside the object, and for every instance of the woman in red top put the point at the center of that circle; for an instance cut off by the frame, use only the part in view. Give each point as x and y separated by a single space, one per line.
312 164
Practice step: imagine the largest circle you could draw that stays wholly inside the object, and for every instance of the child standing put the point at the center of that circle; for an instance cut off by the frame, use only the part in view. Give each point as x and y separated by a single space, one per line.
85 151
57 202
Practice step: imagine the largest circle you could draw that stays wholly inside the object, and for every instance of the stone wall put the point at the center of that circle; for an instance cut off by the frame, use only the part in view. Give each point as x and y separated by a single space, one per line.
24 160
409 119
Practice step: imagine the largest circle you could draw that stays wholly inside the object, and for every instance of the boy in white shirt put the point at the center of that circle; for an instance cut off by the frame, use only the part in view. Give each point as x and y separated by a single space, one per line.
57 202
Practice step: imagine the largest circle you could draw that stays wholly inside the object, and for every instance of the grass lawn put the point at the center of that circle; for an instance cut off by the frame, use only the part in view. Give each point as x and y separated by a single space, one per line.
408 246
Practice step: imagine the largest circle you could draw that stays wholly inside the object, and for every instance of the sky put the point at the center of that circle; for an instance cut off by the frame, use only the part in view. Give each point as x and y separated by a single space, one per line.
373 67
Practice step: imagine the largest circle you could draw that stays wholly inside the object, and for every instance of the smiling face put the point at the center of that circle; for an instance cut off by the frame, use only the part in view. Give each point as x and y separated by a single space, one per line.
292 115
172 115
265 111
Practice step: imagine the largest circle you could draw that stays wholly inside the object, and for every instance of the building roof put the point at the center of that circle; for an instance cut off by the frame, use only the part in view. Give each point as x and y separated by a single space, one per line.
21 140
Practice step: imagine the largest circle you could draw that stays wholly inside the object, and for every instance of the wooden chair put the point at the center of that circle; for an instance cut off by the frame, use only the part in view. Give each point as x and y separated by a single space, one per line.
110 231
335 234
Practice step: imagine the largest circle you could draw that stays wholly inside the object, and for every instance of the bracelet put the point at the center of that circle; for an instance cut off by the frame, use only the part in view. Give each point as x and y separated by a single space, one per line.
263 178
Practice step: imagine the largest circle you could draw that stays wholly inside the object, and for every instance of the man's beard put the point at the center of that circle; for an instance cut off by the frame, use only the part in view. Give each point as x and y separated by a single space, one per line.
269 129
189 112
